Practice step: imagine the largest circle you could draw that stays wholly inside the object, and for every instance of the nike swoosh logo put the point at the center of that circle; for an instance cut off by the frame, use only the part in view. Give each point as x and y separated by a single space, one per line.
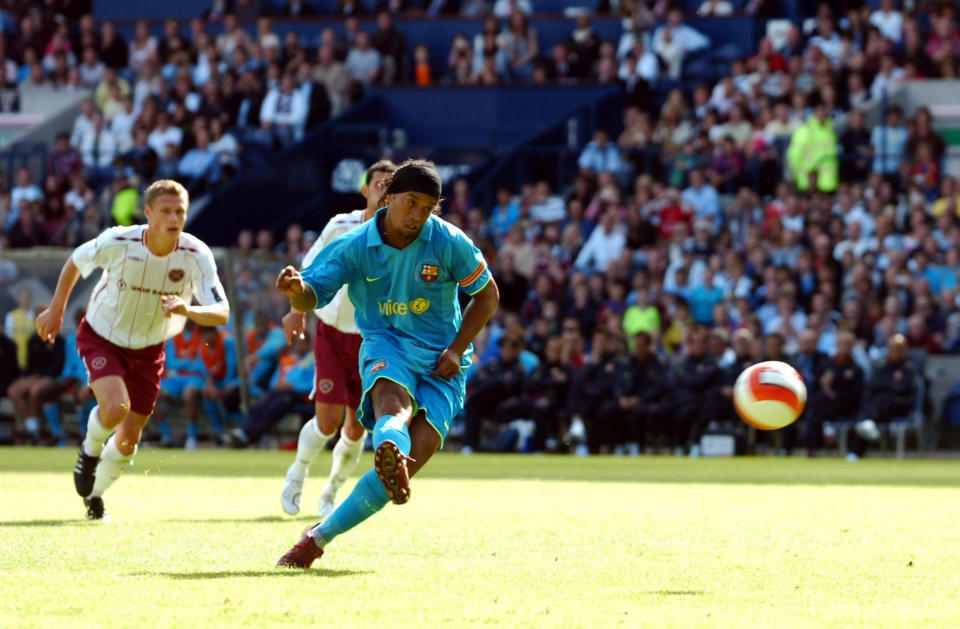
374 279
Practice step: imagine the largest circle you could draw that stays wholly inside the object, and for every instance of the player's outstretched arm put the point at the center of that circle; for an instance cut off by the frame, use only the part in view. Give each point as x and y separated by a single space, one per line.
50 321
476 315
209 315
300 294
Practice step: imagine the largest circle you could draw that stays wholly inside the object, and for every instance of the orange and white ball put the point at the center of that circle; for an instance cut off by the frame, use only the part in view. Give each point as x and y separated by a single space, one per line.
770 395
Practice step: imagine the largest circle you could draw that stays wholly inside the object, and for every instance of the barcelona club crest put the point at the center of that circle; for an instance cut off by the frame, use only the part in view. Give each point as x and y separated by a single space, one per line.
429 272
380 365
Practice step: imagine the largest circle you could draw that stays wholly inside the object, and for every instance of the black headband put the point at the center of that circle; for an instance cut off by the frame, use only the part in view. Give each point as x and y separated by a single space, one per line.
416 178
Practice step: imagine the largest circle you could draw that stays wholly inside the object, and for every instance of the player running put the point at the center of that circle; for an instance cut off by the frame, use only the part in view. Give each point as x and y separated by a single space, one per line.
403 269
149 274
336 384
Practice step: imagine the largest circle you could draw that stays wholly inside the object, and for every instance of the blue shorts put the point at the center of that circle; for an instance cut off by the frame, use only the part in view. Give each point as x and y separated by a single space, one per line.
440 400
175 385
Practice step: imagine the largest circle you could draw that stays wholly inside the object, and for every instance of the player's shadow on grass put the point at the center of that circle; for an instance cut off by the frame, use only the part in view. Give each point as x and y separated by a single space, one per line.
673 593
231 574
64 522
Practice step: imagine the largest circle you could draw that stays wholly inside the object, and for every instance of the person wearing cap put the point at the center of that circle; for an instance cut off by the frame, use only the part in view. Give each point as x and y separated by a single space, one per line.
404 270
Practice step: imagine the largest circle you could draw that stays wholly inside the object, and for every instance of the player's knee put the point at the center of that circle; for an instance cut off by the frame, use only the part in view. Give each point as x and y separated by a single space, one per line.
393 404
328 417
112 412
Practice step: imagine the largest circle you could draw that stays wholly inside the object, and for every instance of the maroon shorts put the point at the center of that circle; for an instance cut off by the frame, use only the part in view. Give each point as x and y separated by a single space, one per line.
139 368
336 378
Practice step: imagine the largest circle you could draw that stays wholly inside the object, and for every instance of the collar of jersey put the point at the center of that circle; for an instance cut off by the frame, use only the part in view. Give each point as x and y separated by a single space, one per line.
373 234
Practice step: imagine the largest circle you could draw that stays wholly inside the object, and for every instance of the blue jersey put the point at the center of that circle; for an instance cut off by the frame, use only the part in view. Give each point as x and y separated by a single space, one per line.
407 297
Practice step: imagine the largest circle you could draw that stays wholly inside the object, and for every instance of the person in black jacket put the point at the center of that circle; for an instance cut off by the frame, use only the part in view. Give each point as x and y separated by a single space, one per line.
841 386
494 390
546 391
640 398
811 363
39 382
693 378
593 386
9 369
720 405
891 394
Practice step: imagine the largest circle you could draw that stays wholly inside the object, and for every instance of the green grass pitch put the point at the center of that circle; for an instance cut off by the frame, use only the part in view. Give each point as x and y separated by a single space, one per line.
489 540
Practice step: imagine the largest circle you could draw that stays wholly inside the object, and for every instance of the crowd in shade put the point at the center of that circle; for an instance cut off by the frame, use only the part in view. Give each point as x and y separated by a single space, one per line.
752 217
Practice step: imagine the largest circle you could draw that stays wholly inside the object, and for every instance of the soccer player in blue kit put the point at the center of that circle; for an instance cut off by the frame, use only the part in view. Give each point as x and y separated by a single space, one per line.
403 270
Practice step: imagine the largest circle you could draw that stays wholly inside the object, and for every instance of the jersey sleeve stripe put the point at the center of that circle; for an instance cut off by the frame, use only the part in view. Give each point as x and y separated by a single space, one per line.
470 279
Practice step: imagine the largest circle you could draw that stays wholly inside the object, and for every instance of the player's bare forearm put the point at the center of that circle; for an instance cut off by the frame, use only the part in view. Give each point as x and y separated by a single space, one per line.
476 315
212 315
68 279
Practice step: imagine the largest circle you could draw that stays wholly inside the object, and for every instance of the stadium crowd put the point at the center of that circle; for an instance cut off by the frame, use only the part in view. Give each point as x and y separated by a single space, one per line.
748 218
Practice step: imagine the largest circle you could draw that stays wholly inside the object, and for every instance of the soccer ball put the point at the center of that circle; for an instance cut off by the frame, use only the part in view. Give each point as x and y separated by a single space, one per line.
769 395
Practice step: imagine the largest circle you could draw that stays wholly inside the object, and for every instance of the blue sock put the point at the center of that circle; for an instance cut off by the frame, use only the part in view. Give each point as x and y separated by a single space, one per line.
51 413
368 497
191 430
390 428
165 431
212 409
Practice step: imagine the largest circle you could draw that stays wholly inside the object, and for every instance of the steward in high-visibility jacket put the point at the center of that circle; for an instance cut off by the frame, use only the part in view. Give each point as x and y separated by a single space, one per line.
813 150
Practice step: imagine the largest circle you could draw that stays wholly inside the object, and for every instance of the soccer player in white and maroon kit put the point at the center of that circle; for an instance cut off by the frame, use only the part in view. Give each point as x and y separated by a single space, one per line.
336 387
151 274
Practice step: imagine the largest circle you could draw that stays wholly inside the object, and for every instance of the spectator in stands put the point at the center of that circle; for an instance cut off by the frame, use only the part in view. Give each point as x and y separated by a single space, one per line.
289 387
888 20
98 146
812 153
583 46
922 131
422 71
298 8
65 161
37 383
25 190
703 199
200 165
113 48
18 323
105 90
520 46
640 403
363 61
505 8
593 385
715 8
335 76
889 143
496 390
679 35
505 213
600 155
605 244
887 79
855 143
164 134
92 69
391 45
248 10
143 46
891 394
284 112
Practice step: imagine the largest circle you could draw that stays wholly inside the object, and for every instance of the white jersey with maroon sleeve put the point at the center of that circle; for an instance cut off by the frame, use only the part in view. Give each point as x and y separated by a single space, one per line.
339 312
125 306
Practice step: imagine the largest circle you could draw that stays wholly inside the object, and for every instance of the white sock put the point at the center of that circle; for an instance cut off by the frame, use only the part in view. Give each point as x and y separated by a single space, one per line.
309 445
96 434
112 464
346 455
32 424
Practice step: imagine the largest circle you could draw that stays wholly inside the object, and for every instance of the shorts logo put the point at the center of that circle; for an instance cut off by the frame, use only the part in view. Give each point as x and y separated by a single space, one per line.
99 362
419 305
325 385
380 365
429 272
175 275
121 284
